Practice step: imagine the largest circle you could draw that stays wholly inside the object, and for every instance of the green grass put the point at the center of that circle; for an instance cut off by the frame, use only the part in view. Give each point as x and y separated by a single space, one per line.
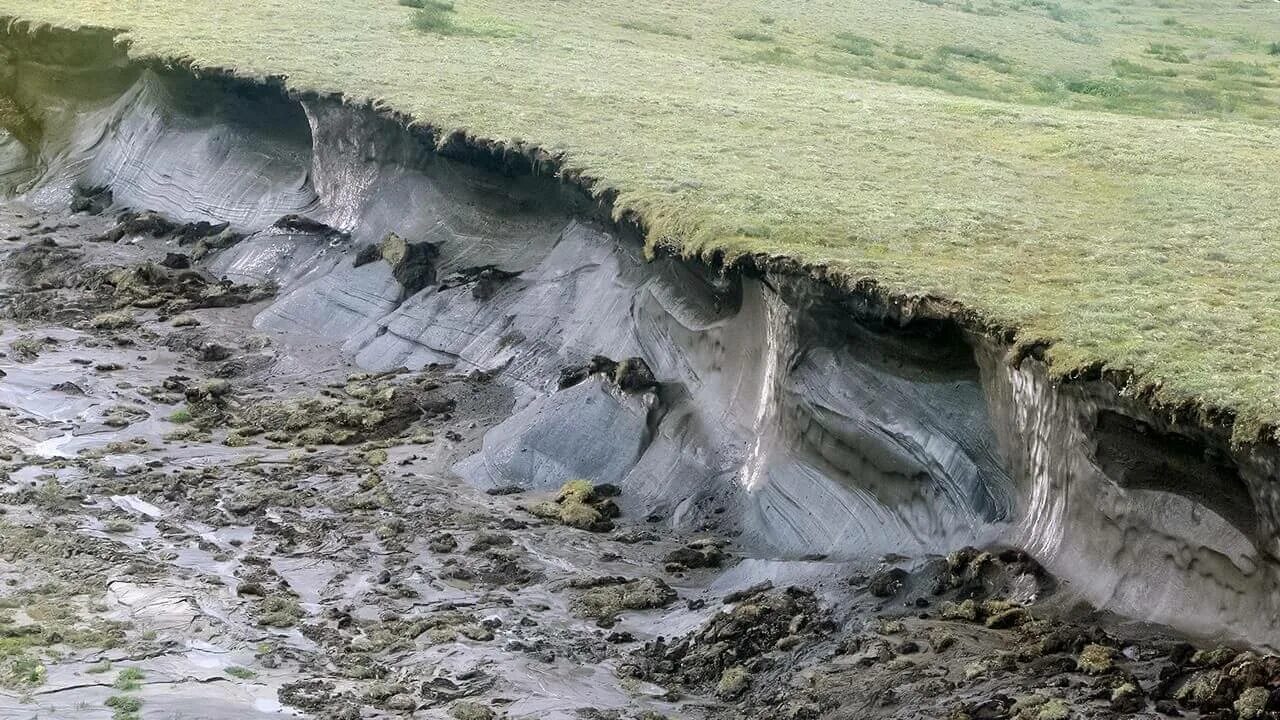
1086 171
435 18
124 707
646 27
128 679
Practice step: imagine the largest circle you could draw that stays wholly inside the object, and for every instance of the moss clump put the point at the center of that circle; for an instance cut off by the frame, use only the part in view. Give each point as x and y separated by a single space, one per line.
467 710
966 610
118 527
1252 703
235 440
605 597
242 673
576 491
128 679
22 671
124 707
582 505
733 682
26 348
371 408
1096 659
279 611
1054 709
117 320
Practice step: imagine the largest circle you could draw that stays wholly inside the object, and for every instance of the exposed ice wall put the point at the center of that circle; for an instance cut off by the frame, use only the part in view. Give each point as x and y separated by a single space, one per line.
807 438
1165 531
780 416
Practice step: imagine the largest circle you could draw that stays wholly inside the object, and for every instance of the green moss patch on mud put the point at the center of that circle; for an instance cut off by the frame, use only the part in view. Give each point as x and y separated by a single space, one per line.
582 505
41 624
369 407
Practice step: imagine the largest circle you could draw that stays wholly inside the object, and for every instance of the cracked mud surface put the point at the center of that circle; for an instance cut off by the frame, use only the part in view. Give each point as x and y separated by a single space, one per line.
199 520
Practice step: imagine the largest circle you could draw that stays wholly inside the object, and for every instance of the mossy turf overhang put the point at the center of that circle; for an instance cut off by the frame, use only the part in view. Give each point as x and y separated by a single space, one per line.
1093 179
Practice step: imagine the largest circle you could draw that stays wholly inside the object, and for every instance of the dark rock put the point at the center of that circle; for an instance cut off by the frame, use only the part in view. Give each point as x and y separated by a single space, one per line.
887 583
90 200
214 352
443 543
740 595
176 261
68 388
412 264
484 280
762 622
145 223
307 226
311 694
367 254
704 554
197 231
631 375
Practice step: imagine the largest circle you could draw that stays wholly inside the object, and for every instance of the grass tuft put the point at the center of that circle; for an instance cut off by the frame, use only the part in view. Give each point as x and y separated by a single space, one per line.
128 679
653 29
854 44
977 55
1128 68
436 18
1167 53
124 707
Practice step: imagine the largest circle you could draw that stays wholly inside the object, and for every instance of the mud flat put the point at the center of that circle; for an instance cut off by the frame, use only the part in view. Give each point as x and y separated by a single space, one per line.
307 412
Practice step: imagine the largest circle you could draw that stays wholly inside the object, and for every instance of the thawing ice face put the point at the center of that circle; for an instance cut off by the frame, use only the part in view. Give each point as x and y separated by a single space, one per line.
779 417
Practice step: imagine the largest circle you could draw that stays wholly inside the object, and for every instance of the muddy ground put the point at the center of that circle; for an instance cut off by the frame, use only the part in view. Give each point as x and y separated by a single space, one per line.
198 520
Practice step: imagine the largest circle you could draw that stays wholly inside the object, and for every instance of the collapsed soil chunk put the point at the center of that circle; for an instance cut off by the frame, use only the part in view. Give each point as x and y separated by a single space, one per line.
27 348
721 656
412 264
151 285
605 597
195 232
137 223
1210 685
43 265
90 200
887 582
973 573
704 553
176 261
483 279
582 505
25 127
631 375
307 226
371 408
